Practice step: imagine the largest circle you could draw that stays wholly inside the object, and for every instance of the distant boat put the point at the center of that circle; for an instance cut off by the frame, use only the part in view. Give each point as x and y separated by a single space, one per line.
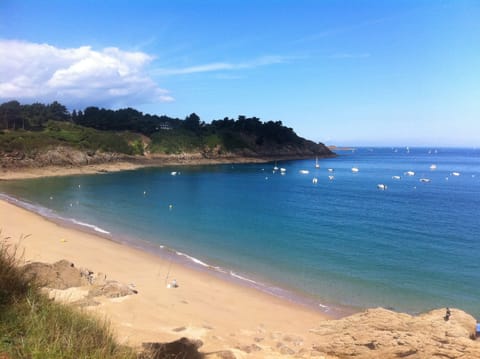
316 163
355 169
331 170
174 173
382 186
396 177
433 167
304 172
315 180
331 178
275 168
456 174
410 173
283 170
425 180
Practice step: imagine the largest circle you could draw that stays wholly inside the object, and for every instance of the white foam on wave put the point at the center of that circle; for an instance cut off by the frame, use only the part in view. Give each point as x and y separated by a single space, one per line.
42 211
95 228
235 275
193 259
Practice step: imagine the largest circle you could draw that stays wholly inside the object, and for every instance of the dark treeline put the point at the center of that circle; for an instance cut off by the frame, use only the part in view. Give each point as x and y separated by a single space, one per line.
34 117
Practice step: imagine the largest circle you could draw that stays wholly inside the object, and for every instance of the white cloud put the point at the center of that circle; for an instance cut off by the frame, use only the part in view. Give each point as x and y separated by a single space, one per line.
222 66
76 77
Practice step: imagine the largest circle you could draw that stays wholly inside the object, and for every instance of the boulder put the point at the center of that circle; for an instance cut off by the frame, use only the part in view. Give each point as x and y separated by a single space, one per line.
60 275
381 333
181 348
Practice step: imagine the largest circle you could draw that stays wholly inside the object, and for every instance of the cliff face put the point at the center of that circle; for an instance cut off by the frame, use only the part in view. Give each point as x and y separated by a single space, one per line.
57 156
380 333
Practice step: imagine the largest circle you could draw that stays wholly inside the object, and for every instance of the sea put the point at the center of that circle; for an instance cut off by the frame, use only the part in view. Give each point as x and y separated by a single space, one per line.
391 227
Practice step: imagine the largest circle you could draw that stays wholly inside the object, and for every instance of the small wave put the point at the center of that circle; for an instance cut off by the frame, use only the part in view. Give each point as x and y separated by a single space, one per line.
193 259
323 306
43 211
95 228
235 275
48 213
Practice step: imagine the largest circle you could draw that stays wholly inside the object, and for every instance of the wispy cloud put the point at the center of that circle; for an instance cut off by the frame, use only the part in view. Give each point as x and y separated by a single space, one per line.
222 66
76 76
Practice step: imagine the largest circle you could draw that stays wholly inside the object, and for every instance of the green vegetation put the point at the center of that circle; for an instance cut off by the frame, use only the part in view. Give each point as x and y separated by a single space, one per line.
57 133
32 326
37 126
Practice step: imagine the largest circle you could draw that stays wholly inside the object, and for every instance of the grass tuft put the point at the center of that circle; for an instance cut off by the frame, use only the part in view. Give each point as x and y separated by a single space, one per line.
33 326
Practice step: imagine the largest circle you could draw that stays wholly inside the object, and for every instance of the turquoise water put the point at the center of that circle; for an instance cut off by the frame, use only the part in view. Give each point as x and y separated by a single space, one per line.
339 243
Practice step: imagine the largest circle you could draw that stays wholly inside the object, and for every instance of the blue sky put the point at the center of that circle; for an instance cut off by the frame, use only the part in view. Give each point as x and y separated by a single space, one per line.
341 72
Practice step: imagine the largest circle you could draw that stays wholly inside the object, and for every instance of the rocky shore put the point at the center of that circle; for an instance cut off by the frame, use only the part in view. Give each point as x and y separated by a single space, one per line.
61 160
375 333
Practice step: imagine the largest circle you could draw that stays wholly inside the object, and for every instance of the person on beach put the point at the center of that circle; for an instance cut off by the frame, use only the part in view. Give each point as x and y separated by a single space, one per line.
447 314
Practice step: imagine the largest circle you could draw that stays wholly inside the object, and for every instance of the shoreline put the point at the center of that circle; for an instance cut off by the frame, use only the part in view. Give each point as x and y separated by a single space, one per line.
133 163
170 254
205 305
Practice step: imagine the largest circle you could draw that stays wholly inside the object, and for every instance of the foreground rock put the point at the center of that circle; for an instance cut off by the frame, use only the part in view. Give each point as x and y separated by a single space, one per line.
182 348
63 275
380 333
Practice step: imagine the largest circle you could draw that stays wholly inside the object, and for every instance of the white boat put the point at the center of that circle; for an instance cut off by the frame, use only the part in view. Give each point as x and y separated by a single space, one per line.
304 172
396 177
456 174
283 170
382 186
355 169
331 178
410 173
316 163
433 167
315 180
425 180
174 173
331 170
275 168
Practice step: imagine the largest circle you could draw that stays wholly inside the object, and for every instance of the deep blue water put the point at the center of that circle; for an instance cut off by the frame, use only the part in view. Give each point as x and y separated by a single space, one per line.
340 242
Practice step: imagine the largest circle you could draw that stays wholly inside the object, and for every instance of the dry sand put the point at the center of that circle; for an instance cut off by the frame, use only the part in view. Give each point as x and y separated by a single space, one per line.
222 314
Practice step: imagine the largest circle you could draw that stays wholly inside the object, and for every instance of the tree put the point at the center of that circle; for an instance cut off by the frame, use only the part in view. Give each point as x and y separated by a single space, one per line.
10 114
192 123
58 112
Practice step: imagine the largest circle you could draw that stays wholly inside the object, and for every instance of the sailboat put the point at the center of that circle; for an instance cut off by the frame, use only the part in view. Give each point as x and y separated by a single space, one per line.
316 163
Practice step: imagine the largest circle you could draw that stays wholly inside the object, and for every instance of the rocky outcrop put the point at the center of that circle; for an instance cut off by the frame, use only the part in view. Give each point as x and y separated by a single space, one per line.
381 333
182 348
63 275
57 156
59 275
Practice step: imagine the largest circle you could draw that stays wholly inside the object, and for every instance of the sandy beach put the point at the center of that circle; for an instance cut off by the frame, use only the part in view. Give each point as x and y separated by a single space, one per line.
28 171
224 315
